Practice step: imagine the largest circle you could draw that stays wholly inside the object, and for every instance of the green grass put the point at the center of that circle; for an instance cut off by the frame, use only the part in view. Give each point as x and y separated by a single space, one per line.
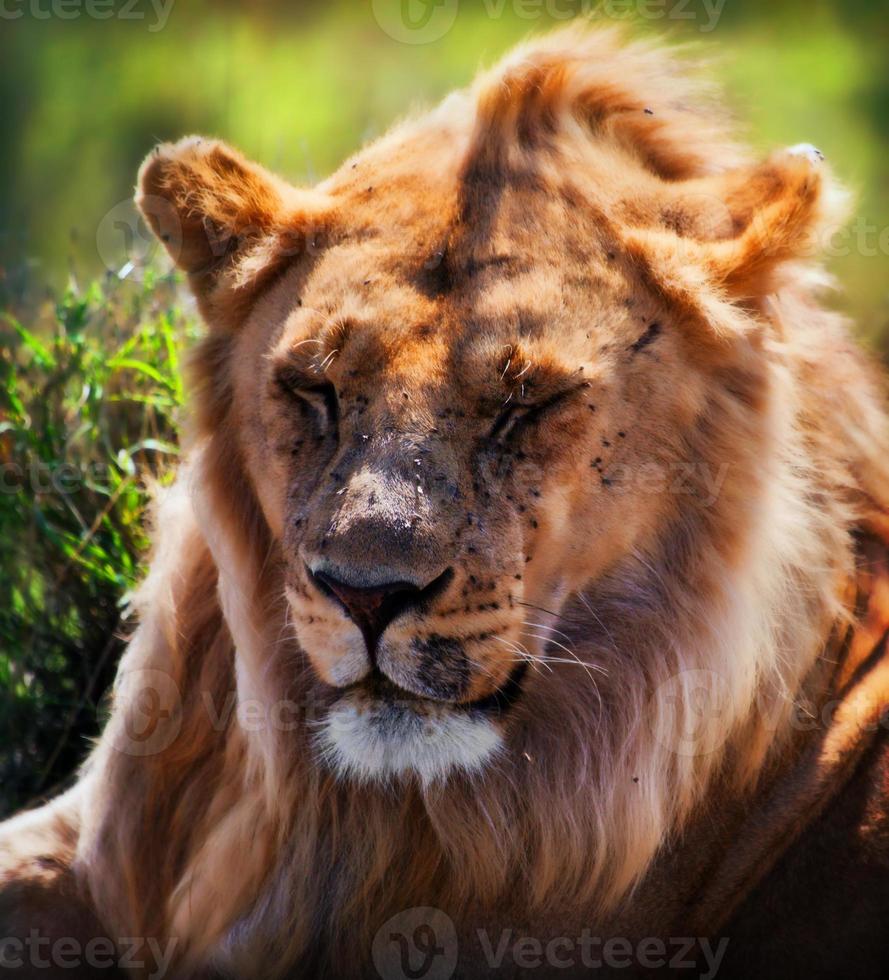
90 392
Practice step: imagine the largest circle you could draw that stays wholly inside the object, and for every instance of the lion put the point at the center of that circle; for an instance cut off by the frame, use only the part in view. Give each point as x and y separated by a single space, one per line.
522 598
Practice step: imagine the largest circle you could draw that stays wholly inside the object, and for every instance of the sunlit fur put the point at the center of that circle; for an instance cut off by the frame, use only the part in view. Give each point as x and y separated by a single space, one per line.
589 189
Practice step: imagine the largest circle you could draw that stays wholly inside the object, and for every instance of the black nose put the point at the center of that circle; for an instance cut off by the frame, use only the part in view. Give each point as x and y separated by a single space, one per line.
372 608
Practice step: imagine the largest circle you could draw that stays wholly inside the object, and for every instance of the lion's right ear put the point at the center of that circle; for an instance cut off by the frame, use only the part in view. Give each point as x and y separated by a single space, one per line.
744 225
227 222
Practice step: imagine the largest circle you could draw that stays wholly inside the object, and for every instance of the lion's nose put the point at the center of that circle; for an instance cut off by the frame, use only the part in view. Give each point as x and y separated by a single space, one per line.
372 608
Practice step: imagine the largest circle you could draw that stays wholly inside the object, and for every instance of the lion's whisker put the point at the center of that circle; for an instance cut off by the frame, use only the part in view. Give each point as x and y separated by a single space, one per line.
524 654
588 667
588 606
543 626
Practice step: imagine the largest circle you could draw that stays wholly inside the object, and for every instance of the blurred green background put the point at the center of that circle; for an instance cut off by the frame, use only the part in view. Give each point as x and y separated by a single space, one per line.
298 85
90 372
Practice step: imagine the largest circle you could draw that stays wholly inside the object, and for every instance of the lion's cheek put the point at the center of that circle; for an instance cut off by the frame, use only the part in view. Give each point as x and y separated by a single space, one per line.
552 543
618 519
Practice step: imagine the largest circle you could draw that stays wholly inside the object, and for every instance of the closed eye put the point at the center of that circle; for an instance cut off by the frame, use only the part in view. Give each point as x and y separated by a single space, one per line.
318 395
323 399
508 419
515 414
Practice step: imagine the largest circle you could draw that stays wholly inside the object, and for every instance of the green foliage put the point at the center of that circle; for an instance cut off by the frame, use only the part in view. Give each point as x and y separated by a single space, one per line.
89 395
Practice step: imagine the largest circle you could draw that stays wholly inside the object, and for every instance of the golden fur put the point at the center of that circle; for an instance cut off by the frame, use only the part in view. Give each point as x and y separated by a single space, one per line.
578 230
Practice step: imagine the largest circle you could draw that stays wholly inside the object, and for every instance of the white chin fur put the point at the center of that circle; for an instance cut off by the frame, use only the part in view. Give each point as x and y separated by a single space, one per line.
369 739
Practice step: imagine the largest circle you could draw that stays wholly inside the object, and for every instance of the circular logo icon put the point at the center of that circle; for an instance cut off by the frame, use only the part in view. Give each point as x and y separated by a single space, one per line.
126 244
415 21
687 712
417 944
147 712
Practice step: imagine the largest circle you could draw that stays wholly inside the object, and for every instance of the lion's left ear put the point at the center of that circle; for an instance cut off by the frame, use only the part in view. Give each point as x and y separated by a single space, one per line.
227 222
744 224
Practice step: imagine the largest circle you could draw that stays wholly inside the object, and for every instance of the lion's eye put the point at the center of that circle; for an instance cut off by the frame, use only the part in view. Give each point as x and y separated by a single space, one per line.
323 400
320 398
515 415
509 418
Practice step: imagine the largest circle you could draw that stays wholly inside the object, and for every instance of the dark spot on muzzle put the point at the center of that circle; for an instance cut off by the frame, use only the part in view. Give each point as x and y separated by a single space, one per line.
442 666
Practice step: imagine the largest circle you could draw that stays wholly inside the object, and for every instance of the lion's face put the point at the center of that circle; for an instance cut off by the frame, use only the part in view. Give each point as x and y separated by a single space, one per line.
428 419
505 353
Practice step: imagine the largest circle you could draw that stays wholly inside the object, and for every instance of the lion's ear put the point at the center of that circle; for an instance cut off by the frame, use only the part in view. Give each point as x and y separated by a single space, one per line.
744 224
227 222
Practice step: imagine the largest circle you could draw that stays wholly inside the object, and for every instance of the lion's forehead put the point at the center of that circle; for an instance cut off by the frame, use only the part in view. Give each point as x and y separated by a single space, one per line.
482 352
410 308
436 287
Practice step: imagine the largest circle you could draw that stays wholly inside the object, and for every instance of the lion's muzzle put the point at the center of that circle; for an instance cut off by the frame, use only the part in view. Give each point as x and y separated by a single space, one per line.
373 607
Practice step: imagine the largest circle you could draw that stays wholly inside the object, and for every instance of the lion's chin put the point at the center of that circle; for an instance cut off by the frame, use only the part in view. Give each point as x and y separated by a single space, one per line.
369 738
